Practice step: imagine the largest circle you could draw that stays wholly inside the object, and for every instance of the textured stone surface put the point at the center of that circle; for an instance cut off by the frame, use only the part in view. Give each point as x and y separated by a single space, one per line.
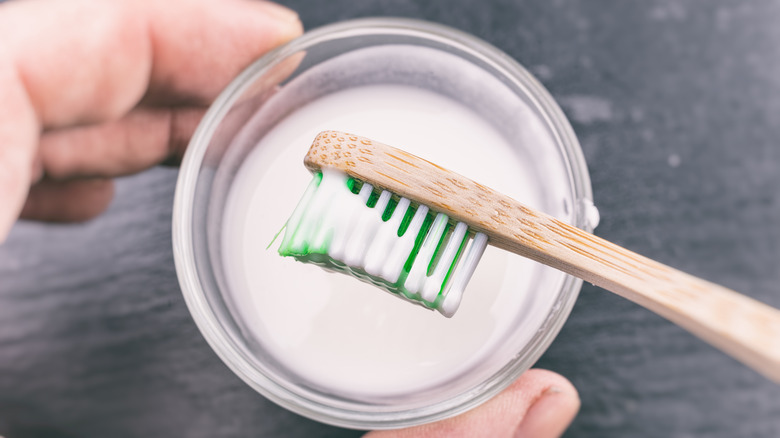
677 106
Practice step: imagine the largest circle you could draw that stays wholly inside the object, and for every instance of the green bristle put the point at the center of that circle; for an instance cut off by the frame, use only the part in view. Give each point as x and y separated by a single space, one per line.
406 220
454 262
354 185
372 199
388 213
418 242
437 254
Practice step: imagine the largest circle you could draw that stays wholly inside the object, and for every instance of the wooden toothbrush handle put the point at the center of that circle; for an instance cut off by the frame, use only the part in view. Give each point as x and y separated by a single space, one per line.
740 326
746 329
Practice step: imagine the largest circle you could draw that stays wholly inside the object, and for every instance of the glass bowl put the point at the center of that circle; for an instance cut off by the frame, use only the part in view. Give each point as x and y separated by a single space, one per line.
341 57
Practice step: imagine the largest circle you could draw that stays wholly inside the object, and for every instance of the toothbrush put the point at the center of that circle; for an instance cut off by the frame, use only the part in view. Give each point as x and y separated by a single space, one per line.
418 230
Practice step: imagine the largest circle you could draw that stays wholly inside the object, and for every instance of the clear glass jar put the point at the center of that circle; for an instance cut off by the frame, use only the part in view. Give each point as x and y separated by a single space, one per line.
334 58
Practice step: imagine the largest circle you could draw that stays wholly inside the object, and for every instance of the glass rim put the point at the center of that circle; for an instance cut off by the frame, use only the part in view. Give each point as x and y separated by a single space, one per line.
184 255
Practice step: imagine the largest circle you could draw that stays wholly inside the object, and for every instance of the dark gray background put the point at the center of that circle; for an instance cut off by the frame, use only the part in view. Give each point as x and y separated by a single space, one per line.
677 107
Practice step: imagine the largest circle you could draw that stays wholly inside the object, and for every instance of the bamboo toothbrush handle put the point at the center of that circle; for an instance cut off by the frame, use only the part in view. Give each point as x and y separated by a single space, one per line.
740 326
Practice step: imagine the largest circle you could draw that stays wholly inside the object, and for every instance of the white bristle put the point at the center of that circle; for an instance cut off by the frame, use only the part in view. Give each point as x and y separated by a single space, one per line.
434 284
365 193
332 220
298 214
382 202
313 217
462 275
351 216
328 215
386 240
419 272
403 248
365 231
361 235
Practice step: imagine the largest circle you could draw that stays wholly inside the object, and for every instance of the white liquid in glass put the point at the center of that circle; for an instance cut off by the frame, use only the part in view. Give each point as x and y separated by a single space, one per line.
335 332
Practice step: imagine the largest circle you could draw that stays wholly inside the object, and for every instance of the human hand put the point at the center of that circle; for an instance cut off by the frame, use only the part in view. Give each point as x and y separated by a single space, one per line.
90 90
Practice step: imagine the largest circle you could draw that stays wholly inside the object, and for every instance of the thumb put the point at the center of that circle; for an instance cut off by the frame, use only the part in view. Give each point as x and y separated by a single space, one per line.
540 404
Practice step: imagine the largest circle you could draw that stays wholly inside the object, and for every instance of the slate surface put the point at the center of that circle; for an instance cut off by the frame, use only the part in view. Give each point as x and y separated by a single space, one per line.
677 106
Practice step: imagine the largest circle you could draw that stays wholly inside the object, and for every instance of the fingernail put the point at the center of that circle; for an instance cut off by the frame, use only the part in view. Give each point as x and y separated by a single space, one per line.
283 19
550 415
280 12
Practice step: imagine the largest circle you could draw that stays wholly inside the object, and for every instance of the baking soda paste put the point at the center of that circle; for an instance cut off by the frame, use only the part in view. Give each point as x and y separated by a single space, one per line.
340 335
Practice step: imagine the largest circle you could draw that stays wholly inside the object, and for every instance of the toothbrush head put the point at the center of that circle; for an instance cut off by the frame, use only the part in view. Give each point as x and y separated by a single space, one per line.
345 223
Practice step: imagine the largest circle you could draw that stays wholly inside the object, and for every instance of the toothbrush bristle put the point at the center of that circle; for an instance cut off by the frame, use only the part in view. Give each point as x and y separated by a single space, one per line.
346 225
